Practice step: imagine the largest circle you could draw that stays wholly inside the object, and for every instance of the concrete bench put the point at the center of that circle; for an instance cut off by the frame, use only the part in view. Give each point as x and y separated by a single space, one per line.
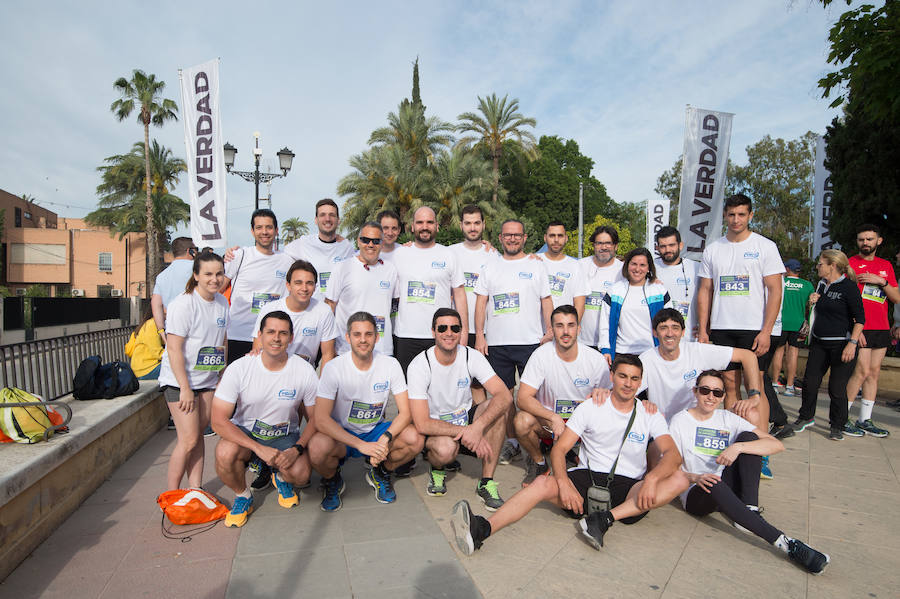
43 483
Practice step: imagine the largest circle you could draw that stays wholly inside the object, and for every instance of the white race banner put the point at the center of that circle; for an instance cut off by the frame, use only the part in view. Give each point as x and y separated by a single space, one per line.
657 218
205 155
707 136
822 210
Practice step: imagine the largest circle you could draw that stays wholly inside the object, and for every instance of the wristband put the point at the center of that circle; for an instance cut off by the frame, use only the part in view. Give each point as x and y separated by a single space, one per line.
389 436
752 392
853 341
300 449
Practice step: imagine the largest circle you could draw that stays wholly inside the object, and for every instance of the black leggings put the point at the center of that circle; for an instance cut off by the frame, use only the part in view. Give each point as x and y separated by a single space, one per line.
822 356
738 488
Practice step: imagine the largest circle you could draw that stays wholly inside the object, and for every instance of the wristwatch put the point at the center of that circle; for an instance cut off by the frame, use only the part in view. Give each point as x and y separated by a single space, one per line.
300 449
389 436
752 392
853 341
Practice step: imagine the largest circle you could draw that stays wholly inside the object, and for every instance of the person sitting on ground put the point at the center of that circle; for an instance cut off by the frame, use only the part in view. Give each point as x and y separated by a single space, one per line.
145 348
614 439
440 396
257 410
722 458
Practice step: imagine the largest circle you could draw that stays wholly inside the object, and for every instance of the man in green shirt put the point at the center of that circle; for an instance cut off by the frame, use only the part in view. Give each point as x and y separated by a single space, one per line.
793 313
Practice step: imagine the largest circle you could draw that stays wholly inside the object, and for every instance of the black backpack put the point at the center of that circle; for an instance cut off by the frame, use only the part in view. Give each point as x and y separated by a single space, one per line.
95 380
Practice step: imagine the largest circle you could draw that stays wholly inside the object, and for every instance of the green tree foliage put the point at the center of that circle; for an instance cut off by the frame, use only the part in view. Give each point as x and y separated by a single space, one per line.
37 291
293 228
144 92
626 243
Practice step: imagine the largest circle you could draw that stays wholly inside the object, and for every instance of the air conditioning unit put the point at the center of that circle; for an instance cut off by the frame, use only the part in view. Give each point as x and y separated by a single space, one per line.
78 293
20 291
116 293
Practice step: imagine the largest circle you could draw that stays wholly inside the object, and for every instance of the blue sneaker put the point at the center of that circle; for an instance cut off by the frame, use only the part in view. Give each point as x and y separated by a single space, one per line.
331 493
766 472
384 487
287 497
240 510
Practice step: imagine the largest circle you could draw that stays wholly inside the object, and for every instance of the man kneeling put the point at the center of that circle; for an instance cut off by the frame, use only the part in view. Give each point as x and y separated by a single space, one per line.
614 439
257 409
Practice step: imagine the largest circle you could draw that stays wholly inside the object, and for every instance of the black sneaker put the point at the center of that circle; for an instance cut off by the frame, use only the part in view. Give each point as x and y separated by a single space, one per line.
404 470
470 530
801 553
801 425
594 526
836 434
171 425
453 466
262 477
533 470
782 431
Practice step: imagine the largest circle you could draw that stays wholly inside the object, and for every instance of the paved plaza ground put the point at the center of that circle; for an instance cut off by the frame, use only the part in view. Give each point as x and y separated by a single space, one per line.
840 497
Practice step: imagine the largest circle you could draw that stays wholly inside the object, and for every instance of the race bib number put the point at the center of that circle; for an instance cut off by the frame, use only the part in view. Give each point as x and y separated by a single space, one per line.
460 417
471 279
267 432
210 358
261 299
594 300
565 407
506 303
365 413
557 285
873 293
709 441
682 307
379 326
323 281
419 292
734 285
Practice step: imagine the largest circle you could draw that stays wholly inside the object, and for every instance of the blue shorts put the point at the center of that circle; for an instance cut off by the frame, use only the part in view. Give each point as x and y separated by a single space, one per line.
279 443
369 437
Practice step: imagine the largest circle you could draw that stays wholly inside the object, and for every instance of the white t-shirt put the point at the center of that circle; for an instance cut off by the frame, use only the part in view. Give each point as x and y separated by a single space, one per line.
170 282
737 270
202 324
562 386
566 280
670 384
320 254
268 402
701 441
601 429
388 256
471 263
360 396
514 289
355 287
447 389
681 281
311 326
256 280
599 280
427 276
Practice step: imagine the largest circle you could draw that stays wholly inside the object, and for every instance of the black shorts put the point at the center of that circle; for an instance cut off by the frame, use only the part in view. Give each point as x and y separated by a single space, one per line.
778 341
173 394
618 490
407 348
505 359
877 339
238 349
740 339
793 339
462 448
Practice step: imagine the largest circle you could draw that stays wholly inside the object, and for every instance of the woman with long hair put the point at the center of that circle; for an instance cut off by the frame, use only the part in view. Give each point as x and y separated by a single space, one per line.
194 358
836 322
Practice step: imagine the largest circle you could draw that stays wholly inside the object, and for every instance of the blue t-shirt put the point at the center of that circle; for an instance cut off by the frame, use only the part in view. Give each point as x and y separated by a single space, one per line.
171 281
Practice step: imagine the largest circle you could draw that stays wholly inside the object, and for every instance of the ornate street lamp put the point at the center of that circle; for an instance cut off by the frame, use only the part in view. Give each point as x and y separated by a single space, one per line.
285 160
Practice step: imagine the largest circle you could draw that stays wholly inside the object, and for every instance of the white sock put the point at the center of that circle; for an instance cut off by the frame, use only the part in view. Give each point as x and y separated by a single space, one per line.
246 494
782 543
865 410
542 462
513 442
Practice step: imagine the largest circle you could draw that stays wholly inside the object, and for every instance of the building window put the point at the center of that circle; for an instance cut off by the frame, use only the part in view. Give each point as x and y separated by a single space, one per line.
104 290
18 217
105 261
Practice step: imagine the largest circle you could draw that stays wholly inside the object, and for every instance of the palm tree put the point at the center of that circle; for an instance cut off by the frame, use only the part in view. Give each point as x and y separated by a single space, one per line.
145 92
292 229
498 127
460 178
420 136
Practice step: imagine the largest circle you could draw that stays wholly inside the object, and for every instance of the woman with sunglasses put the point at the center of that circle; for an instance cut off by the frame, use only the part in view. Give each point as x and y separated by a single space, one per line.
628 309
836 322
722 457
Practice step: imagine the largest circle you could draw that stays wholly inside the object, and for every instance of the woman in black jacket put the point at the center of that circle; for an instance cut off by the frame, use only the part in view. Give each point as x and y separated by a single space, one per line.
836 323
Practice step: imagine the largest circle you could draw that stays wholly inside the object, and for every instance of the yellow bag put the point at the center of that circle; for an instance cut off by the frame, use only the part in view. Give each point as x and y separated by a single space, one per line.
23 424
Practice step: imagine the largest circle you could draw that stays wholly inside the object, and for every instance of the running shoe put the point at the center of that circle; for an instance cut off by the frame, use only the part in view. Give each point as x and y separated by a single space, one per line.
851 430
801 553
209 432
790 391
170 425
263 473
509 453
436 486
453 466
405 470
593 527
836 435
287 497
782 431
489 493
801 425
470 530
332 488
384 487
533 470
869 427
240 510
765 473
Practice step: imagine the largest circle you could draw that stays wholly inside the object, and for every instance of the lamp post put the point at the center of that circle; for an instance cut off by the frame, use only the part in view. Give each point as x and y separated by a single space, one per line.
285 159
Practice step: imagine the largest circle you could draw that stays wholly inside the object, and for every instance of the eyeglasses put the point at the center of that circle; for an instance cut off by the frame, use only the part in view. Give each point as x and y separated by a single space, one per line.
442 328
512 235
603 243
368 240
704 390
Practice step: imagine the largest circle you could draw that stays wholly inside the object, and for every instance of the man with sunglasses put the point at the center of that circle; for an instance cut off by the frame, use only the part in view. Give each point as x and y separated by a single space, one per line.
441 405
364 283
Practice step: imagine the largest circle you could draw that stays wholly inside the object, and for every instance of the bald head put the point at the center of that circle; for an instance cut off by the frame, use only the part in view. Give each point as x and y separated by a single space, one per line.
424 226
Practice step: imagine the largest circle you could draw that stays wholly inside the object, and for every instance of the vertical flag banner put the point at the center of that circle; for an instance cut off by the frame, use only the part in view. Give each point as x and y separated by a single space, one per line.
205 155
657 218
707 137
822 209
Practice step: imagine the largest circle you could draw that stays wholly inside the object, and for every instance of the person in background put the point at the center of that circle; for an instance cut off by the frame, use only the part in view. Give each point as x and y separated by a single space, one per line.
793 314
145 348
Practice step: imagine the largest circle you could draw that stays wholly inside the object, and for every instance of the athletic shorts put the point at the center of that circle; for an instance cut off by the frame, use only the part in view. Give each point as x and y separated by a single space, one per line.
462 448
618 490
778 341
279 443
505 359
878 339
369 437
407 348
740 339
238 349
173 394
793 339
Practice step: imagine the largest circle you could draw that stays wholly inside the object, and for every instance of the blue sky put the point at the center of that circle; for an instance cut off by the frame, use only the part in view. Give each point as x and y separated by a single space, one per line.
319 77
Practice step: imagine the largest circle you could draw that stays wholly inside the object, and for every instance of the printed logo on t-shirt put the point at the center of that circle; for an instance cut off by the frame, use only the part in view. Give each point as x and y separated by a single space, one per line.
280 274
384 284
220 322
310 331
636 437
581 381
683 280
381 387
750 255
525 275
287 394
691 374
462 383
439 264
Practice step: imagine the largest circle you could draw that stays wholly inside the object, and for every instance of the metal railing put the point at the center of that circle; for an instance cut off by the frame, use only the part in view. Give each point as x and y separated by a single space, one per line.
46 367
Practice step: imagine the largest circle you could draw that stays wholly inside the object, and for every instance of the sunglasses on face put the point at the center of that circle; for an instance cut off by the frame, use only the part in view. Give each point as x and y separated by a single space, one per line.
442 328
368 240
704 390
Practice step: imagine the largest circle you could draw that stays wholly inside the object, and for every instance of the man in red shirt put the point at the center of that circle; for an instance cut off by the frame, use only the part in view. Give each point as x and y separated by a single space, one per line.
877 284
